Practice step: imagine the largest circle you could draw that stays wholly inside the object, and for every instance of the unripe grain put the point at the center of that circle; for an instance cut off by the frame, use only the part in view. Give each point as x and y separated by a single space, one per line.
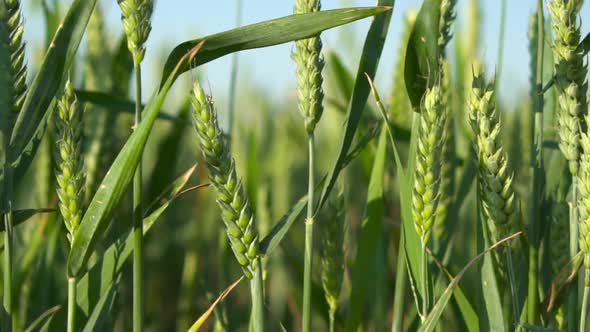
231 197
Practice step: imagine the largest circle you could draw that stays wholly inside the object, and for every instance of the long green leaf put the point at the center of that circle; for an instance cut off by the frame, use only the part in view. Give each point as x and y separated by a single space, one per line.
98 279
421 66
112 103
368 66
431 320
100 312
57 62
371 231
491 300
47 315
272 240
410 239
20 216
203 318
267 33
117 180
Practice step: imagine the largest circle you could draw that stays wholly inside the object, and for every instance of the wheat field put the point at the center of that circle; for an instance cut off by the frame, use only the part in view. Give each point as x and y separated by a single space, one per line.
419 189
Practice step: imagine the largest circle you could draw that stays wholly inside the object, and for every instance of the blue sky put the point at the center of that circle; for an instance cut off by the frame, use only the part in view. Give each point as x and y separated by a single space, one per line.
175 21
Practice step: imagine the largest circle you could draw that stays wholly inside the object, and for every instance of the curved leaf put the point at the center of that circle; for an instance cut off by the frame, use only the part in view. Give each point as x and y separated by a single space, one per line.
48 81
203 318
267 33
112 103
371 230
431 320
272 240
368 66
117 180
421 66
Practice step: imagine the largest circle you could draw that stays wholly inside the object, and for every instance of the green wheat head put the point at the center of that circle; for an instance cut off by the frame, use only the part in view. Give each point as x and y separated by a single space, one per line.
136 16
494 176
447 174
310 63
427 175
447 17
570 77
235 208
70 173
332 251
12 64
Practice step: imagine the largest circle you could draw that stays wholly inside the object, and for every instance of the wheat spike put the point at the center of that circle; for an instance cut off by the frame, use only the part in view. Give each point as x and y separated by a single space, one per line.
235 208
310 63
70 173
570 77
136 16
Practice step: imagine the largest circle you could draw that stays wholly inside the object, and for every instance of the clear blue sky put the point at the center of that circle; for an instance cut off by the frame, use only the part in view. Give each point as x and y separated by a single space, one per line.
177 20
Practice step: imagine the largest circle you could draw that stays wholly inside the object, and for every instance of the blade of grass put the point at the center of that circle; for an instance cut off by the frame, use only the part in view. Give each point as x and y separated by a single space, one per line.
203 318
421 66
102 275
47 315
113 103
537 181
20 216
116 181
47 82
108 267
368 64
372 228
267 33
433 317
412 243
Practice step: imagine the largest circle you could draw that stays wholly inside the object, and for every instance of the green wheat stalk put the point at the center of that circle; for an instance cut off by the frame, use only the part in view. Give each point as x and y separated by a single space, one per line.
136 16
309 62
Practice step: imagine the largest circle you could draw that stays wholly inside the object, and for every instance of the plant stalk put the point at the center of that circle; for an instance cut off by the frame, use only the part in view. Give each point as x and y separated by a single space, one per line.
137 219
572 304
72 304
426 299
332 315
257 292
10 321
537 159
308 241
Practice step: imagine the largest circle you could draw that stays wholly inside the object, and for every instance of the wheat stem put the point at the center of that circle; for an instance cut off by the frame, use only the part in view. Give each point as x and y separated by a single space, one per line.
572 303
71 304
9 321
537 181
308 255
138 301
136 22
